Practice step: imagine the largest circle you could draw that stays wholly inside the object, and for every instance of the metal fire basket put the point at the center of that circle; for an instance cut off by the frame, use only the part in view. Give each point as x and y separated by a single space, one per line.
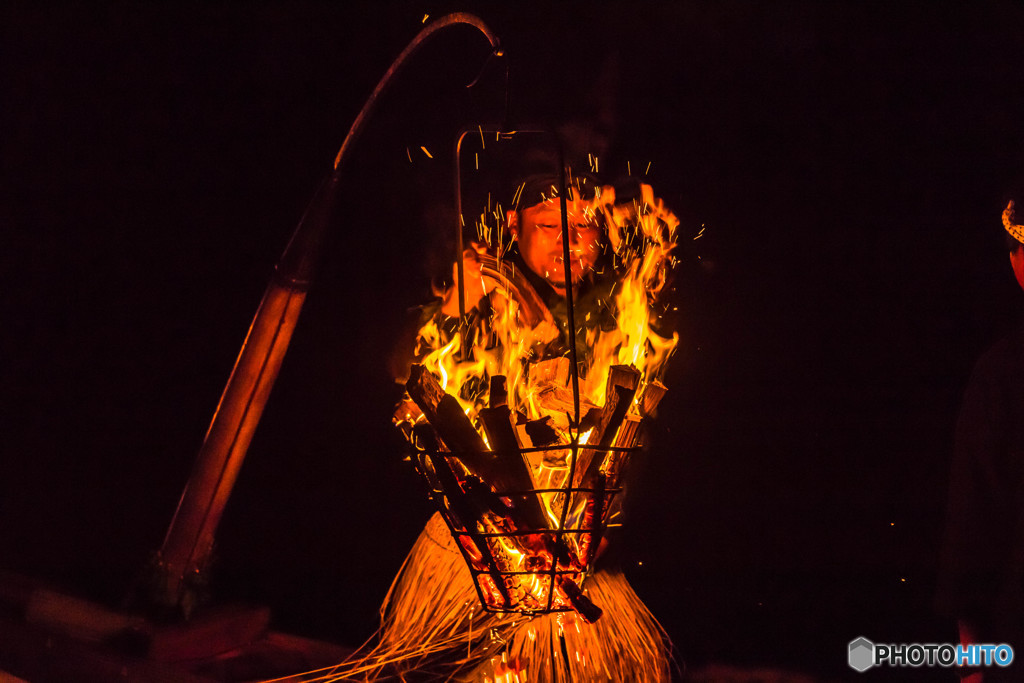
554 567
518 566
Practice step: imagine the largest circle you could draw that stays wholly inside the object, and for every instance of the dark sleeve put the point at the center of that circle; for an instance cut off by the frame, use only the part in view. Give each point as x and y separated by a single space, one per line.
980 503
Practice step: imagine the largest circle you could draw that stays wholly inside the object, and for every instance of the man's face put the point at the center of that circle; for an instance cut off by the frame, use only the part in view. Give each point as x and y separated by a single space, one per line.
1017 263
539 232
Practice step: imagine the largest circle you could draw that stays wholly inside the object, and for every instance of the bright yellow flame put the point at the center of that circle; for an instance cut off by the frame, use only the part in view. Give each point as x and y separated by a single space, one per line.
642 236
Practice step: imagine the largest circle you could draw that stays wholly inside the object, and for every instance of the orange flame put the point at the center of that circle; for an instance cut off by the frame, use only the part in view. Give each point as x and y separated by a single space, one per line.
641 235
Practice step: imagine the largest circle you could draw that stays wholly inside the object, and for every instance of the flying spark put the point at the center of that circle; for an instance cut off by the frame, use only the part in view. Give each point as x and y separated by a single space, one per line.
519 192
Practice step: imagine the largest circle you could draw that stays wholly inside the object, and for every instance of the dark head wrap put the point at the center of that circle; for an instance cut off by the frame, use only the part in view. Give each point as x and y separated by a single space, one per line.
540 187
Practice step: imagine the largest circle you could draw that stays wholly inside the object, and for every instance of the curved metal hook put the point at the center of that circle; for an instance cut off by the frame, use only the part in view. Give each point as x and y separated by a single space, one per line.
496 52
429 30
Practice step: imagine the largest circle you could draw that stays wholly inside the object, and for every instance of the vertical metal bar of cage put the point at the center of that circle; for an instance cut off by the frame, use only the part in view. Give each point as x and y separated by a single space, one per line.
574 442
570 308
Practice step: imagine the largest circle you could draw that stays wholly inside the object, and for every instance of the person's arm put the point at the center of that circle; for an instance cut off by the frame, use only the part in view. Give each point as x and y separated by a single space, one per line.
443 313
972 556
474 289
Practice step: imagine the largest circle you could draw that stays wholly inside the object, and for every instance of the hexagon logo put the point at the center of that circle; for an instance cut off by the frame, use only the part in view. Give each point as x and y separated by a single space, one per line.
862 654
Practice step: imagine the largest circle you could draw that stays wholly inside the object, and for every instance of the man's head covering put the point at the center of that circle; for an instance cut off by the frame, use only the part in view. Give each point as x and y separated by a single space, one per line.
540 187
1016 231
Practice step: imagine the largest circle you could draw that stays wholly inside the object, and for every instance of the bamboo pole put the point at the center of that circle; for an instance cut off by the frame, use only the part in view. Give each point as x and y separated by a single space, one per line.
180 563
185 552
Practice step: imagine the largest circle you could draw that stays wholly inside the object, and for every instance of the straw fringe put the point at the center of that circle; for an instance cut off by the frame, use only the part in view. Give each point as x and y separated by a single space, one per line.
433 628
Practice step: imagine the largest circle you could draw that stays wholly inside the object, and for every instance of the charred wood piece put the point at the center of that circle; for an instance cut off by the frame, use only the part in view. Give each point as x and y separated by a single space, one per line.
592 519
445 414
542 432
498 394
424 437
619 392
614 465
580 602
484 498
509 472
653 393
623 381
467 511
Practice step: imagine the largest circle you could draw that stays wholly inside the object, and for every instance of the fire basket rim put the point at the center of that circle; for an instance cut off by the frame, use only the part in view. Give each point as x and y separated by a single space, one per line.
552 576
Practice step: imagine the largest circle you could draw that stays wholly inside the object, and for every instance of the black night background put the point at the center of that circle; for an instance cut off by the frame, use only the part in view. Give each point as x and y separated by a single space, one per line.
847 161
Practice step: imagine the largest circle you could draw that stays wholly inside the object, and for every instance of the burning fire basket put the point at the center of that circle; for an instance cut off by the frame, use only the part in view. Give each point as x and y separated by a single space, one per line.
524 549
526 461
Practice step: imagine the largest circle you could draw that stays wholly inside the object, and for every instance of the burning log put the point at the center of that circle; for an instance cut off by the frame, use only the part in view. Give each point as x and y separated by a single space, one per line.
619 391
468 514
460 505
653 393
612 465
553 394
424 437
497 424
592 520
498 394
506 471
629 431
542 432
615 461
484 498
445 414
553 371
599 469
490 492
405 418
580 602
510 472
625 376
613 413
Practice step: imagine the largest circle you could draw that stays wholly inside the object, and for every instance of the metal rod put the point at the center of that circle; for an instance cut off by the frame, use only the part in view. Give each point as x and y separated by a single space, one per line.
400 61
574 368
567 266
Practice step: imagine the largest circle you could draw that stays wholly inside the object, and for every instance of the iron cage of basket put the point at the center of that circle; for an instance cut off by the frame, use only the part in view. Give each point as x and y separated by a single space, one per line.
521 559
